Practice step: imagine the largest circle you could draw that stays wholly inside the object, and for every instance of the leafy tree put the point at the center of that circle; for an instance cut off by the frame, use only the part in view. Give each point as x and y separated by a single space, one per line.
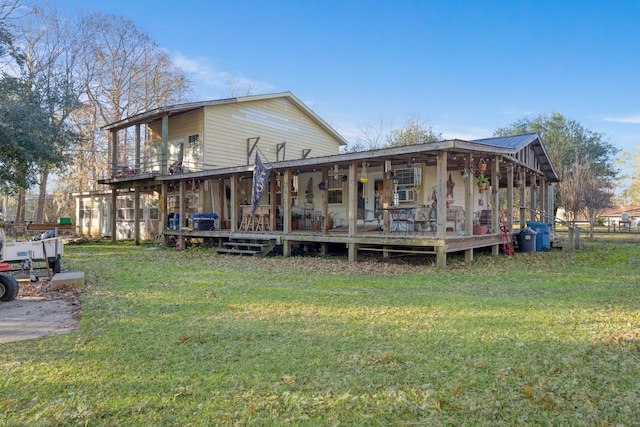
631 193
563 138
28 139
565 141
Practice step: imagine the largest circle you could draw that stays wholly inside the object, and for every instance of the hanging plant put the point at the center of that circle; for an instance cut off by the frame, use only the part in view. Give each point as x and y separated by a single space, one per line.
482 182
482 166
363 178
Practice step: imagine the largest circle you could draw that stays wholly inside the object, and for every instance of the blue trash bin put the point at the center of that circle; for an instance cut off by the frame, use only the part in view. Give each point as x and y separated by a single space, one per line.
543 235
527 240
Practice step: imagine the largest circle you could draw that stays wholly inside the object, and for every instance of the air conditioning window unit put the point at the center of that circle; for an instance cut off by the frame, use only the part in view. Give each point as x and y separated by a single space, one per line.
407 195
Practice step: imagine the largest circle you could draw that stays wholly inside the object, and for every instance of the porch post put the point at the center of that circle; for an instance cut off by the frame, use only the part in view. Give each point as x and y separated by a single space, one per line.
532 197
235 203
352 203
272 205
286 212
522 211
387 190
495 193
182 189
468 199
544 199
137 154
114 153
136 216
441 232
468 206
114 213
325 206
441 183
510 178
165 145
163 213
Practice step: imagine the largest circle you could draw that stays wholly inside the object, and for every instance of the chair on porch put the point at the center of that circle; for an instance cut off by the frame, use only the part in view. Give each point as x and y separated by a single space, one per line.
365 218
247 223
421 219
261 218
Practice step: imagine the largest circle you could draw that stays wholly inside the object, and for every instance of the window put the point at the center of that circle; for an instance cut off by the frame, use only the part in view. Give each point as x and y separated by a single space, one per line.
410 177
335 191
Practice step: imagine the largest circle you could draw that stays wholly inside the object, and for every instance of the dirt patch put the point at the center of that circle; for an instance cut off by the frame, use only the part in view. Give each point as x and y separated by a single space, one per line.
38 312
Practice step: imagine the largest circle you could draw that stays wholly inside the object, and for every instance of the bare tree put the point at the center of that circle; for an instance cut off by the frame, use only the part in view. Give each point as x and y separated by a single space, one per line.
125 73
238 87
585 192
49 62
415 131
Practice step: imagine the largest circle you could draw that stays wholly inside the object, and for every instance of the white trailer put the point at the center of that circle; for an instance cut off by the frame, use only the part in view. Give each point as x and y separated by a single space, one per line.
26 253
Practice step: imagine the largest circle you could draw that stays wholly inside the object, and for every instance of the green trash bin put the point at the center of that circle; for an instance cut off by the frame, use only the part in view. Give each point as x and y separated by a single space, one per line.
527 240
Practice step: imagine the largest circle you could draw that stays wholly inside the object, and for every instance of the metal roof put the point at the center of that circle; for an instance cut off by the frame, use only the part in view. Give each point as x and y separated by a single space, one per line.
518 142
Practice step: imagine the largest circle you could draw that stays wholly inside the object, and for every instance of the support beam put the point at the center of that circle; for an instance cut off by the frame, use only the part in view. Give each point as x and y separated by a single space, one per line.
352 200
114 153
469 185
137 151
182 191
352 252
441 183
532 197
325 201
286 203
495 195
164 167
235 202
387 197
114 214
510 179
273 177
441 232
136 216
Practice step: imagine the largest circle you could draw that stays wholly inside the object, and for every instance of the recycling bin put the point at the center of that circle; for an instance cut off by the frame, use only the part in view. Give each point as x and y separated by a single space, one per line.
543 235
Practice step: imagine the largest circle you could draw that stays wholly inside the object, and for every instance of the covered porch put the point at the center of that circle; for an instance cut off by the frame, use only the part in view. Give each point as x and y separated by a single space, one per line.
414 199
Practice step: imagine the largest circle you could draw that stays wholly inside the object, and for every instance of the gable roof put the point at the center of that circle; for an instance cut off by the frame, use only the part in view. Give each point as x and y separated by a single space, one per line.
519 142
632 210
172 110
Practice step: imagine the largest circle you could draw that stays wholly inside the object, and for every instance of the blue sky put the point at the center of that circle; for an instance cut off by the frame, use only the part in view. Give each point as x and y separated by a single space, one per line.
464 67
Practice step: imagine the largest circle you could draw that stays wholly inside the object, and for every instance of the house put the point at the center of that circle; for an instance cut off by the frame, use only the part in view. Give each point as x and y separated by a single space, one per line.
192 138
197 160
622 217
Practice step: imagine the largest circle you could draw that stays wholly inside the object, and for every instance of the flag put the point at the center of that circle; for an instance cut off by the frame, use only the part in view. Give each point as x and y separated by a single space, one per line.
260 175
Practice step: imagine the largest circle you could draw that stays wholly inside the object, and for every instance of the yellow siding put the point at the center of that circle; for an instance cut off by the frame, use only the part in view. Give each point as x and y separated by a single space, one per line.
180 126
228 126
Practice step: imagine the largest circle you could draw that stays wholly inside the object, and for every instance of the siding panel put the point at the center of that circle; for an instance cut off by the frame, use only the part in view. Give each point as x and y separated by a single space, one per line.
227 128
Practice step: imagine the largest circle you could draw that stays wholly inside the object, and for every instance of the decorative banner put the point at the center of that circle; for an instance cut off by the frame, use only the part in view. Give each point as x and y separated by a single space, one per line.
260 175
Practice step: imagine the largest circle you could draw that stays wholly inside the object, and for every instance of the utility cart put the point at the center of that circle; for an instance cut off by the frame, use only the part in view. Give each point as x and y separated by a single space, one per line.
46 249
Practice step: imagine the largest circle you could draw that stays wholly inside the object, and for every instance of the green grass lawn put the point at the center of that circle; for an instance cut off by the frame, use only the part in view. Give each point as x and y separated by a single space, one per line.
193 338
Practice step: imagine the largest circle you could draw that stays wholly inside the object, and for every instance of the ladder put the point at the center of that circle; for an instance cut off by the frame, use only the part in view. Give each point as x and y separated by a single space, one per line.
507 239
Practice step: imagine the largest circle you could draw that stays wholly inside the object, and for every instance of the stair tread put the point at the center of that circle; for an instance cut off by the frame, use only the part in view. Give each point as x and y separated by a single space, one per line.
255 245
238 251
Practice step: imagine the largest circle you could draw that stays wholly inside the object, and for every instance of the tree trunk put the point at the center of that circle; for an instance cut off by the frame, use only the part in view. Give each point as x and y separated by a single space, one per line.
20 208
42 195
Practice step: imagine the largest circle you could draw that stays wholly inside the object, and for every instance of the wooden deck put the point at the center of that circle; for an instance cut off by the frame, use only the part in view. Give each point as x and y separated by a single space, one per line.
368 238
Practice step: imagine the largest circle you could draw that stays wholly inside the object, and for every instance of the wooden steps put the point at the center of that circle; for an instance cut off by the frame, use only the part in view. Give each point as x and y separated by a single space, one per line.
247 246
